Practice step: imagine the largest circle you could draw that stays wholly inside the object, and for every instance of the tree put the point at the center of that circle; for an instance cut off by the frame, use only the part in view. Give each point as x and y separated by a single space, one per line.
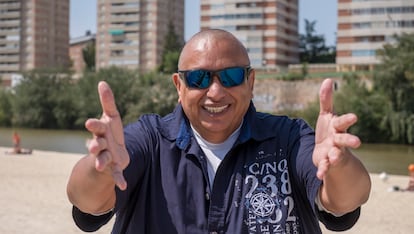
171 51
355 96
87 99
44 99
153 93
121 81
5 107
135 94
89 56
394 79
312 46
51 99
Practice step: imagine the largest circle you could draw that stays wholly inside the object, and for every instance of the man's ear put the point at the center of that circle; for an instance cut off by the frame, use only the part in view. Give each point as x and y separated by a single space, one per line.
252 77
177 83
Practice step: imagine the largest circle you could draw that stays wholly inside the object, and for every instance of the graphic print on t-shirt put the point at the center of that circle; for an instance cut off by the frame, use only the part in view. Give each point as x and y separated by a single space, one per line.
269 204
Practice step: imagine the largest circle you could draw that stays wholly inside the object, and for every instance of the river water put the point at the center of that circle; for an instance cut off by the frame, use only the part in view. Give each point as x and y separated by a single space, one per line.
50 140
393 159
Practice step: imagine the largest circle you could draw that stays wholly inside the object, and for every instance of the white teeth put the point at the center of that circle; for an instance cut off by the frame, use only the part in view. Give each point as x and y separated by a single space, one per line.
216 109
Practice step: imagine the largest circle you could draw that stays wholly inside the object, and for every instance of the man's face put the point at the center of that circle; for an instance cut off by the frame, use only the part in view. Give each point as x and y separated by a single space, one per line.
217 111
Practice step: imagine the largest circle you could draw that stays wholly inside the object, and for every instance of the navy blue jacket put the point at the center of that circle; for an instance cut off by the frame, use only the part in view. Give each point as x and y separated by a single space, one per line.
266 183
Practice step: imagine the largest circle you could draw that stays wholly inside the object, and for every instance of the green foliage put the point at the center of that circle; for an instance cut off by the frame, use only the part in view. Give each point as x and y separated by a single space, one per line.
89 56
171 51
305 69
86 93
51 99
292 76
121 82
312 46
155 93
394 80
37 100
386 110
170 61
401 125
355 96
5 107
395 77
311 113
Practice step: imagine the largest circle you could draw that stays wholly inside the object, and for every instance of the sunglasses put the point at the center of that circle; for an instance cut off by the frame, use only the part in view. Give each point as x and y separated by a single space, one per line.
202 79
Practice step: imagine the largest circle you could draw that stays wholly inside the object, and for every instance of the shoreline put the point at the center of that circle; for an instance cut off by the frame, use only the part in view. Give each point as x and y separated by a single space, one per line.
33 198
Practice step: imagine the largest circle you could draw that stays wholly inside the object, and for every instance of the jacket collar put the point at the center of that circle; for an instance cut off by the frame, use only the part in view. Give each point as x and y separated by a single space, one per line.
176 127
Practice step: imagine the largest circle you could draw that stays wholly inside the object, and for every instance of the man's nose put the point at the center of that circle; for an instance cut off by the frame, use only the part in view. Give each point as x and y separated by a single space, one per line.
216 89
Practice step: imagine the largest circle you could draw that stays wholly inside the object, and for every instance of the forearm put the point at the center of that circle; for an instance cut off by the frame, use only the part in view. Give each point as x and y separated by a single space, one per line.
90 190
345 186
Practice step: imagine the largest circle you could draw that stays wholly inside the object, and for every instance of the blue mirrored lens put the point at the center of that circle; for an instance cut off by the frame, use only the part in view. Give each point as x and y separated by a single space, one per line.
231 76
202 79
198 79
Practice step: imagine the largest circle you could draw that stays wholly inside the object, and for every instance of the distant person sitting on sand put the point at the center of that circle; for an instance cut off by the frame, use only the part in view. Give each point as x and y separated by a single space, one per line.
16 143
17 149
411 178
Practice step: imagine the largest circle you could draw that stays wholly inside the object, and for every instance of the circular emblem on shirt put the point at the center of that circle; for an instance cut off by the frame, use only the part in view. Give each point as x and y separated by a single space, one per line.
262 204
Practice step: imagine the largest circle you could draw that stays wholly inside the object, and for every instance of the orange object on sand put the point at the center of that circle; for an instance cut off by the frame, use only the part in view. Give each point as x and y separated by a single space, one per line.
411 168
410 178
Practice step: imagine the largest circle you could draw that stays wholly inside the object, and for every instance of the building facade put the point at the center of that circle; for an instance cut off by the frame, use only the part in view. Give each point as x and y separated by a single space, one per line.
268 28
33 34
131 33
364 26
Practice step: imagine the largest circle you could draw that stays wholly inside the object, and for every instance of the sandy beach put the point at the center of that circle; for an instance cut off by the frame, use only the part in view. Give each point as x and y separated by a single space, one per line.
33 198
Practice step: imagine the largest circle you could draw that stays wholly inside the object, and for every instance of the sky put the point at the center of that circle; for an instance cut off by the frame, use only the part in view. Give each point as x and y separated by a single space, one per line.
83 17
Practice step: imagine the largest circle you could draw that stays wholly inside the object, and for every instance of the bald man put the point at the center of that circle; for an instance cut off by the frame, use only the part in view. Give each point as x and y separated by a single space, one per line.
215 164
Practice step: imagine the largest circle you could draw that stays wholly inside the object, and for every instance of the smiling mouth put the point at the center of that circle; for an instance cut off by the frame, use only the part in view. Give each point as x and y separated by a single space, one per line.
216 110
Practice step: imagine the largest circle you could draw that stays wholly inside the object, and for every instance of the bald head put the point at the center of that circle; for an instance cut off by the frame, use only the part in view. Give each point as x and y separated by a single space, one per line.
213 49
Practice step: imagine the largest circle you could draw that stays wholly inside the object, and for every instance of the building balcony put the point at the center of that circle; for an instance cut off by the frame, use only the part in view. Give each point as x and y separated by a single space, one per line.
10 15
9 59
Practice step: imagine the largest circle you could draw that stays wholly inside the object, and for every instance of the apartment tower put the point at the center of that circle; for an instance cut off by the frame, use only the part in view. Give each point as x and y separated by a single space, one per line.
268 28
364 26
33 34
131 33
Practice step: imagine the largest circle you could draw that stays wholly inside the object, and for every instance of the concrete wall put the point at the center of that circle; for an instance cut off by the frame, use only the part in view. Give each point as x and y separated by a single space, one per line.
276 96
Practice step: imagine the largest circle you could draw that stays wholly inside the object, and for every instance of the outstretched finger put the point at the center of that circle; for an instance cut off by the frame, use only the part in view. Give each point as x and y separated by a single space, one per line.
322 168
96 145
343 122
102 161
325 97
347 140
119 178
95 126
109 109
107 99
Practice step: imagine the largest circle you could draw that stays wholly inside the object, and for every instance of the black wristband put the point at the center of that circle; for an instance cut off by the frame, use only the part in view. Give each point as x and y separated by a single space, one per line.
88 222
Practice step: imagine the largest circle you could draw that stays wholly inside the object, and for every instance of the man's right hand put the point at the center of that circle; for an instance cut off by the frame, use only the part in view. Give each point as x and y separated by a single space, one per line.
108 145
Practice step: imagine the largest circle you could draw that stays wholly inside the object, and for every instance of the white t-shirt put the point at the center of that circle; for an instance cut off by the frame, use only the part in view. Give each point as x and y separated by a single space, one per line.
215 153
